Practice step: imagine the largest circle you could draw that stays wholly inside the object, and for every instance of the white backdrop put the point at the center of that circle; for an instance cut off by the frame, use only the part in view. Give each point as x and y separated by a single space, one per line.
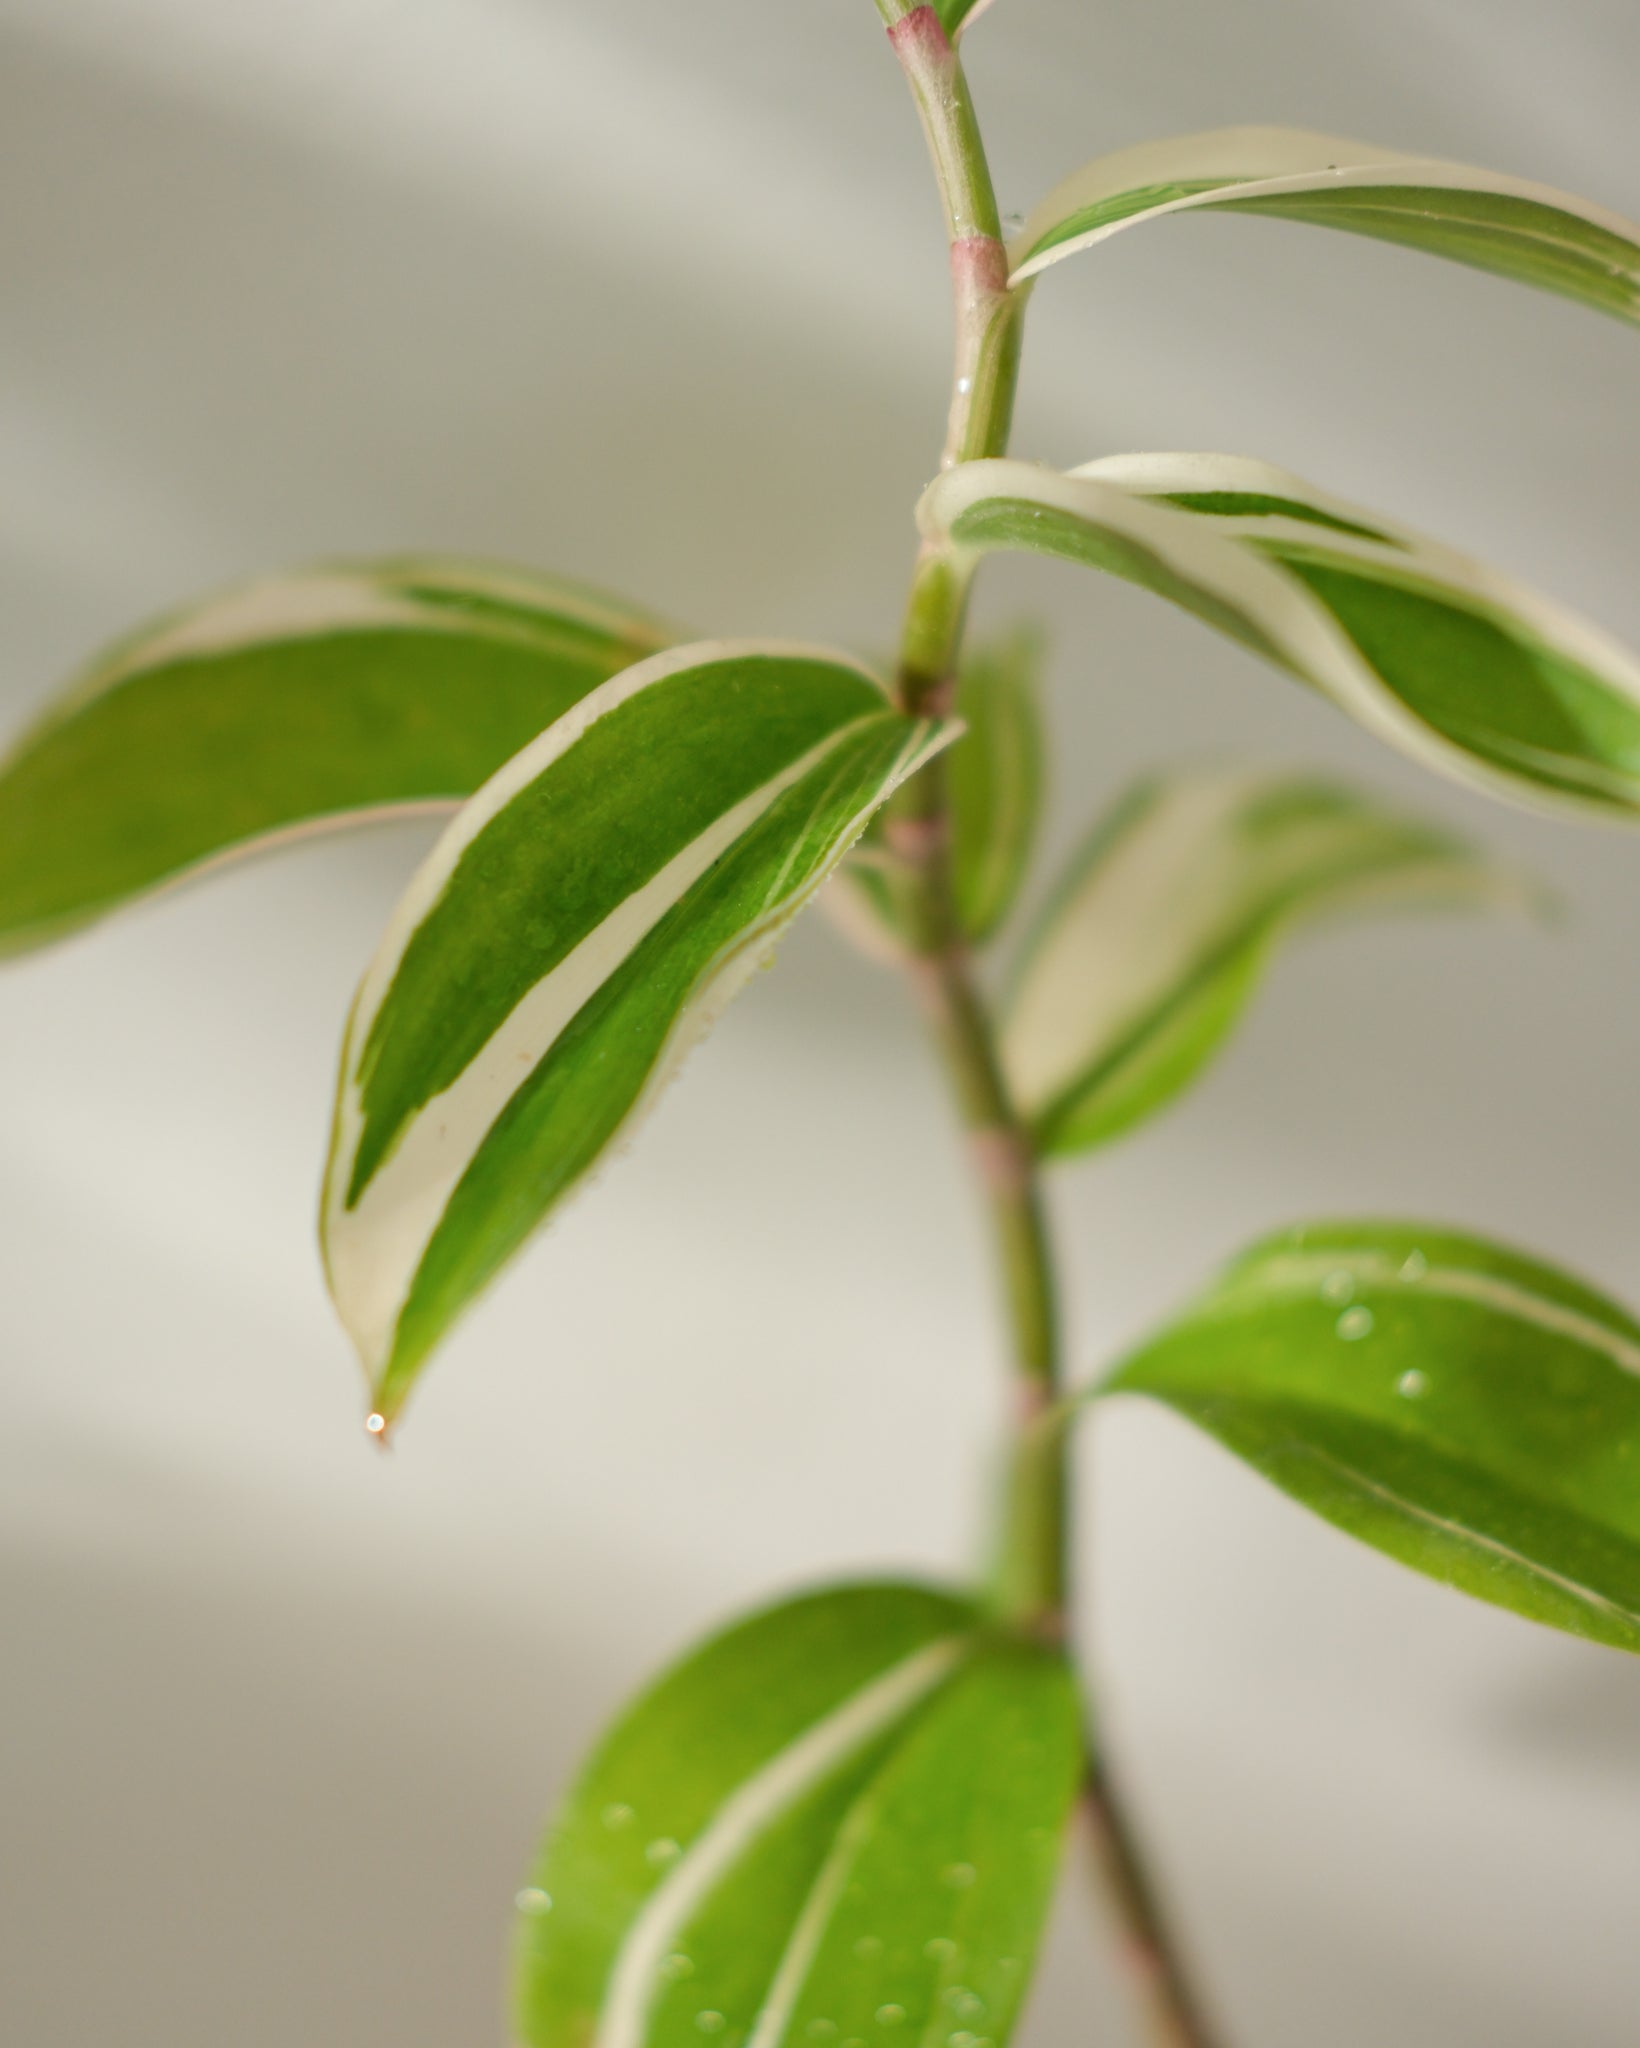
656 296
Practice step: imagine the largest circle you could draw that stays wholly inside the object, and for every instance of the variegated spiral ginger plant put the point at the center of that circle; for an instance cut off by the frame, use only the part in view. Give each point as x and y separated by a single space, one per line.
839 1823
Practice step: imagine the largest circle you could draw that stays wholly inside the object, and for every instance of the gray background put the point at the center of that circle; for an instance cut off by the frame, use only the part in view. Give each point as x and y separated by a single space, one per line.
655 295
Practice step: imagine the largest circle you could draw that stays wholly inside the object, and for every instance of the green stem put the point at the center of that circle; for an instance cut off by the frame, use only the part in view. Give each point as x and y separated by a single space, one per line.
1029 1579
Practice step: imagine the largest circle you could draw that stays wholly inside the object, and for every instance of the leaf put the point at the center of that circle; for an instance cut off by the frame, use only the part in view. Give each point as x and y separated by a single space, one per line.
994 786
1465 670
1510 226
1461 1406
995 778
335 696
955 15
1154 942
841 1819
566 940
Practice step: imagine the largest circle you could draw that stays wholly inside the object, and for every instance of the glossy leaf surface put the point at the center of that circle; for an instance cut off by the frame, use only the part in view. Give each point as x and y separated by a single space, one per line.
1467 671
1464 1408
563 944
1155 941
840 1819
301 704
1510 226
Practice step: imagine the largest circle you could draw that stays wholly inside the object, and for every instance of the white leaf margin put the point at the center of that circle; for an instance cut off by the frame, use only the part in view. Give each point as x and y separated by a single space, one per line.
1267 163
1127 494
373 1251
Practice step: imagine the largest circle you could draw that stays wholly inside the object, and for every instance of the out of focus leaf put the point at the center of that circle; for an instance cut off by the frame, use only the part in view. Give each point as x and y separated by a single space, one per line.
1153 944
1467 1409
1510 226
337 696
840 1820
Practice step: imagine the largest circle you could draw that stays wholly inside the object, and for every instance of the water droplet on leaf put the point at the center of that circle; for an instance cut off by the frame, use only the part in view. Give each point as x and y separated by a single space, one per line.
709 2022
1414 1266
617 1816
1354 1324
1338 1287
677 1967
661 1851
958 1875
1412 1384
890 2015
868 1947
533 1900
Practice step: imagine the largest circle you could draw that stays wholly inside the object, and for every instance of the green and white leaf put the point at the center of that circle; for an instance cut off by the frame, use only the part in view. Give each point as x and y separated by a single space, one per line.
840 1819
332 697
1511 226
1154 943
994 786
1463 669
955 15
1467 1409
571 934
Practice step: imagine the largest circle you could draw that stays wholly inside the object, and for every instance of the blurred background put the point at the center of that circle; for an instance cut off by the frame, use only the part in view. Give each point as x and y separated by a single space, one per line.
655 296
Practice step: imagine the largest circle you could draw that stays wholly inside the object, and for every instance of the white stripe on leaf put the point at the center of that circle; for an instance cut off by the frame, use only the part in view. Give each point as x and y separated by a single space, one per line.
1225 565
735 1829
1230 167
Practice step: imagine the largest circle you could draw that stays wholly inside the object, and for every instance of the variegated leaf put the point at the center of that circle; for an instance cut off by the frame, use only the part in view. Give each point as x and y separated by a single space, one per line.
841 1819
1469 1410
955 15
335 696
561 947
1511 226
1465 670
1155 941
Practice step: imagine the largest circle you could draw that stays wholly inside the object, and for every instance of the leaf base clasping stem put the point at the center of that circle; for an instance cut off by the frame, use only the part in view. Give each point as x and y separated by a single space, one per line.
1029 1578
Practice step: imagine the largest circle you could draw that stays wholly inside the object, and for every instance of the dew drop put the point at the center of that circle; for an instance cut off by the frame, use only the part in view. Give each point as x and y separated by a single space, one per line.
375 1424
959 1876
617 1816
1412 1384
964 386
966 2004
676 1967
1413 1267
890 2015
960 2040
709 2022
533 1900
821 2030
1354 1324
941 1949
662 1851
868 1948
1338 1287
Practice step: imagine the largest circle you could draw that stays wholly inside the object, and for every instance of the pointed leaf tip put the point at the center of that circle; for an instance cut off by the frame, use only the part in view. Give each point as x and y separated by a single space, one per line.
579 924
